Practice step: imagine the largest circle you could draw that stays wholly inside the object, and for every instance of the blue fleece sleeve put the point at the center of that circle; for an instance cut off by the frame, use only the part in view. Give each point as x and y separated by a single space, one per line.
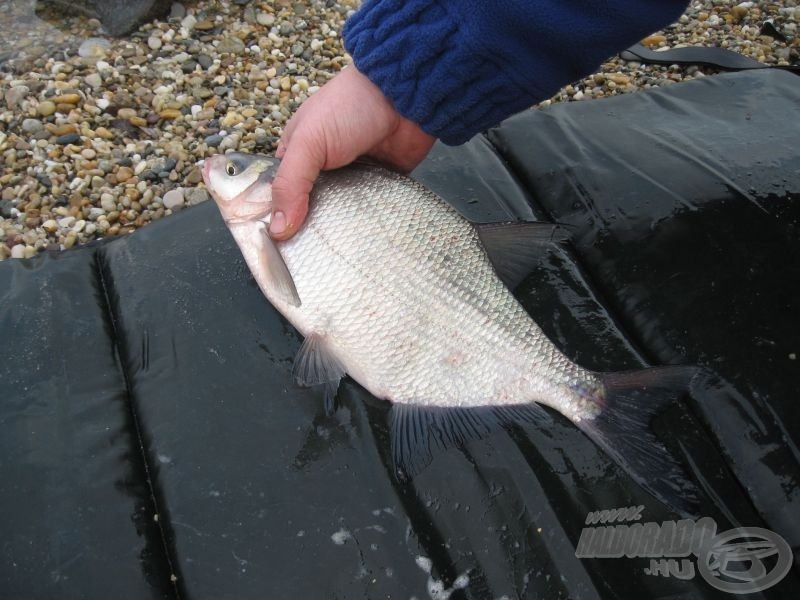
457 67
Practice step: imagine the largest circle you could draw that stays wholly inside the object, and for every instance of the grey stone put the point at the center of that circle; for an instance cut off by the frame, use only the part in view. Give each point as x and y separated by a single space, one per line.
195 195
164 164
177 11
31 125
214 140
95 48
188 66
5 209
69 138
94 80
44 180
15 95
117 16
173 199
230 45
108 202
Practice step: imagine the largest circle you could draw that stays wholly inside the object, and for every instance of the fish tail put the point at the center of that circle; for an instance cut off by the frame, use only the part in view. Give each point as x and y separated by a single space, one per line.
623 429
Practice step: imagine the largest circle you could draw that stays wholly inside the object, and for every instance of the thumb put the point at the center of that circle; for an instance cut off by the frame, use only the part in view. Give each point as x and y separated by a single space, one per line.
293 181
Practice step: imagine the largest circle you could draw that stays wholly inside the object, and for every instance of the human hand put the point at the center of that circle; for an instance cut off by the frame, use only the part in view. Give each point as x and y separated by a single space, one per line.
349 117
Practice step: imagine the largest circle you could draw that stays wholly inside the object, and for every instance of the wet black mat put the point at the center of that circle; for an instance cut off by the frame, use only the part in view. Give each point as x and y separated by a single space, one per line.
149 377
76 514
688 223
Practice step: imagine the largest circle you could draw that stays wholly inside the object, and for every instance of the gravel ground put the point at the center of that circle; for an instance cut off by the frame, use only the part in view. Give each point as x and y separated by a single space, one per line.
100 136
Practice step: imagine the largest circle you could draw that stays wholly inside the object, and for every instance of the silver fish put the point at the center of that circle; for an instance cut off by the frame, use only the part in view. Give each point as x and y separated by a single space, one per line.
392 286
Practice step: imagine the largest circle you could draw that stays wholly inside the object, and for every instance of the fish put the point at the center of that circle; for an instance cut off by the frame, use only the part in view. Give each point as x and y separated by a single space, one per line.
390 285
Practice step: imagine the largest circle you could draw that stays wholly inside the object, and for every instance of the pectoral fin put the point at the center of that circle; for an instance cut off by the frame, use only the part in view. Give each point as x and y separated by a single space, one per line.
514 248
275 270
316 365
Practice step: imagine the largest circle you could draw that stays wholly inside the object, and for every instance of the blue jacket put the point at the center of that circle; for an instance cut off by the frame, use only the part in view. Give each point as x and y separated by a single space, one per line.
457 67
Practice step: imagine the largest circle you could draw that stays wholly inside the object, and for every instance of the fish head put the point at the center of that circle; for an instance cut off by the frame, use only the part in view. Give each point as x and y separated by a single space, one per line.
241 184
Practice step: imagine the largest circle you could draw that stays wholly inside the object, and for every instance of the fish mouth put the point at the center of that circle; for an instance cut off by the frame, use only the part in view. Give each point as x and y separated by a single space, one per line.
207 175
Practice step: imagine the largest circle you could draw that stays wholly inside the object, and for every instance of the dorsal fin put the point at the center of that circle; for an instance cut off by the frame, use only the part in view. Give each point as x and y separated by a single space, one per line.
515 247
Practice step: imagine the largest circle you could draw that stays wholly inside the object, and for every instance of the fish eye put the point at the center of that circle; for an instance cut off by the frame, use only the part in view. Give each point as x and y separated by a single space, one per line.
230 169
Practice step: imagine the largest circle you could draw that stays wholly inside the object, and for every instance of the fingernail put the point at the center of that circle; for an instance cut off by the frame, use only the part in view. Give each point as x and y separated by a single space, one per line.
280 151
277 224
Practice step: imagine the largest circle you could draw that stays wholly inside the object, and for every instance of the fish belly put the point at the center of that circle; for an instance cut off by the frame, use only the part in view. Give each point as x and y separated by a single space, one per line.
404 294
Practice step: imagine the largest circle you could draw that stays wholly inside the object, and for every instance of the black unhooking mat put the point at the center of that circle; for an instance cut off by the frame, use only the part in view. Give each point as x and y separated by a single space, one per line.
154 445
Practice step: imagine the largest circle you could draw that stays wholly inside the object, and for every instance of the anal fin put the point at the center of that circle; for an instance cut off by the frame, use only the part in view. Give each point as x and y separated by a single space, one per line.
418 431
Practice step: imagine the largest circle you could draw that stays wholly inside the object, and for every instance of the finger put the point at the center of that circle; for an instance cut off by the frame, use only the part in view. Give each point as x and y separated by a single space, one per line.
296 174
283 143
288 130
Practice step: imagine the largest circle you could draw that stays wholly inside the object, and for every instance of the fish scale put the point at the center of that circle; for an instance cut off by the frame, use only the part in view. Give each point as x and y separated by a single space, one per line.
383 247
389 284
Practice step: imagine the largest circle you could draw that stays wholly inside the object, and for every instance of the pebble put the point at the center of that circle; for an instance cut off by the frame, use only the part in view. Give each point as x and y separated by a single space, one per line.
14 95
194 177
195 195
69 138
99 129
230 45
94 48
124 174
173 199
67 99
740 11
32 126
108 203
264 18
46 108
654 40
6 207
93 80
177 11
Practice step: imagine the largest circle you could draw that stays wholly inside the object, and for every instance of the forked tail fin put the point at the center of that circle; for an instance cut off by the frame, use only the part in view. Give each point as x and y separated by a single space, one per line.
623 429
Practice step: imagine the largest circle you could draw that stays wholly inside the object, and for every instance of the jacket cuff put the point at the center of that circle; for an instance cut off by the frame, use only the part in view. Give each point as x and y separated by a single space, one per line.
424 61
